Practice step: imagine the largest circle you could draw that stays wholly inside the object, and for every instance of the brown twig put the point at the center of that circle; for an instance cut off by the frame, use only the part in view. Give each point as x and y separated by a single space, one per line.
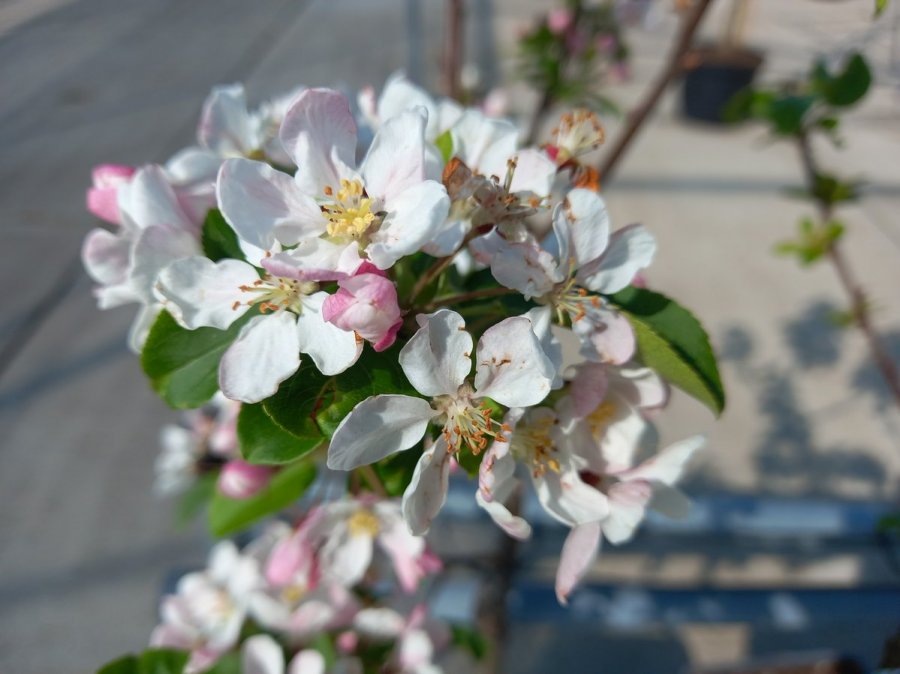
638 116
859 306
441 264
496 291
453 48
373 481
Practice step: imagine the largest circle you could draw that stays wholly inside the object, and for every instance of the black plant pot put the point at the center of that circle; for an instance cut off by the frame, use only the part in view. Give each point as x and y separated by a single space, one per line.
713 75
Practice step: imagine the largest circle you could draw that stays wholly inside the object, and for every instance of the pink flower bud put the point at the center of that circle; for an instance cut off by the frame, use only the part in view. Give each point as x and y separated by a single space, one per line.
103 196
367 304
347 642
558 20
241 480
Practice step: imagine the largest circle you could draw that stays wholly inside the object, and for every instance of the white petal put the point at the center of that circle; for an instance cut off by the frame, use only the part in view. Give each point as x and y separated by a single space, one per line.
319 133
484 144
627 507
150 200
263 204
567 498
400 94
307 661
156 247
414 217
315 260
439 356
346 557
606 336
427 491
380 623
583 214
105 256
630 249
513 525
667 466
260 654
140 326
527 268
534 174
332 349
378 427
225 125
396 158
640 386
578 554
191 165
541 321
202 293
265 353
512 368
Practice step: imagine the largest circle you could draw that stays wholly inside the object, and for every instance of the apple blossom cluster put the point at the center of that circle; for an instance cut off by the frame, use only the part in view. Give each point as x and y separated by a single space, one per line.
335 593
388 310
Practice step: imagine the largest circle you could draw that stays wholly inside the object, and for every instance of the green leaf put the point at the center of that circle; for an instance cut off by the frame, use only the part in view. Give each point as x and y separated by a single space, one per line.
467 639
152 661
880 6
788 113
230 663
218 238
673 342
310 400
183 365
813 241
848 86
396 471
444 143
195 498
227 515
262 441
889 524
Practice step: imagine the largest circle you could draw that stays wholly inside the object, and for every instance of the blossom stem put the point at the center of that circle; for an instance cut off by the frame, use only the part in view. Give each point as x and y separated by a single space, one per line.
859 306
373 481
638 116
468 297
440 265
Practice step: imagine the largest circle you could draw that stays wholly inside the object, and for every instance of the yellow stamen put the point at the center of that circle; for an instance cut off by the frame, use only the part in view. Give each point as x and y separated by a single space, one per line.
350 216
363 523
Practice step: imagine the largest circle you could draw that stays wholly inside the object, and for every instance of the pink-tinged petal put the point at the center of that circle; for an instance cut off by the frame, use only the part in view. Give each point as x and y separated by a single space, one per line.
261 654
264 205
376 428
584 217
439 356
667 466
315 260
512 368
534 174
606 336
525 267
106 256
578 554
265 353
396 159
405 551
156 247
630 249
319 134
332 349
148 199
241 480
225 125
307 661
541 323
588 388
513 525
203 293
427 491
628 503
414 217
416 652
347 642
112 175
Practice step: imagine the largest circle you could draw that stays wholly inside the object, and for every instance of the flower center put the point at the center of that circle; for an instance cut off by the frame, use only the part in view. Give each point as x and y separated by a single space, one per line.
466 422
599 419
292 594
350 215
272 293
533 443
363 523
569 298
578 132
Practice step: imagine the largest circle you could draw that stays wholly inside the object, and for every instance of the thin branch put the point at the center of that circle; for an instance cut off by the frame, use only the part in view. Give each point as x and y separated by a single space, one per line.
438 267
859 306
497 291
373 481
453 48
638 116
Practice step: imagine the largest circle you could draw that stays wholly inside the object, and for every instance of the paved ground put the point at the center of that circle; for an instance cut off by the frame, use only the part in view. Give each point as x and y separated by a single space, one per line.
84 547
